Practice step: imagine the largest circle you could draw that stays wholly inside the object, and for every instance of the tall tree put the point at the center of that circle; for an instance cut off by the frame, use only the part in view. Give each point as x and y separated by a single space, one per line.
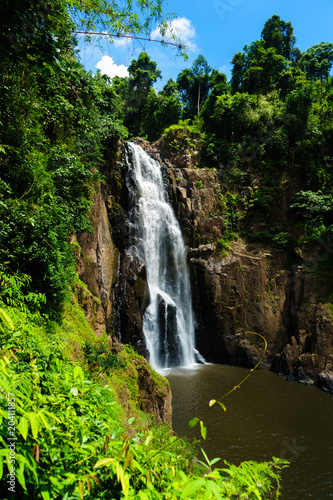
279 35
317 61
162 110
257 70
194 85
143 72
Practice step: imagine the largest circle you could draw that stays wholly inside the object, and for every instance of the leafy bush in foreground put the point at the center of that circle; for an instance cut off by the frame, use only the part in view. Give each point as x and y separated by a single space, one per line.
64 434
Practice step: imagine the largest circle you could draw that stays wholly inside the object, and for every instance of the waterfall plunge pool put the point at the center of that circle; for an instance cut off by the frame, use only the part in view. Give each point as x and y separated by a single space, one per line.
266 417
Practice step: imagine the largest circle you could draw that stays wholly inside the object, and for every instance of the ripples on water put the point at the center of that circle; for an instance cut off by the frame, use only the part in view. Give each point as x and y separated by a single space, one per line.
266 417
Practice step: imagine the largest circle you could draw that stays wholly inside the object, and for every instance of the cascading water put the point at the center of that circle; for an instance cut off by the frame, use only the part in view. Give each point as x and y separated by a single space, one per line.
168 323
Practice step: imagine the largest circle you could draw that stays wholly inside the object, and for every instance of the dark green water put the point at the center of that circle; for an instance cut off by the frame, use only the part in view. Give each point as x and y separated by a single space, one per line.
267 417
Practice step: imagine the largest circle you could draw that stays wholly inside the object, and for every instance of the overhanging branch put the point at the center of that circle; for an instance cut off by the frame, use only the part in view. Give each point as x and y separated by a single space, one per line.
179 45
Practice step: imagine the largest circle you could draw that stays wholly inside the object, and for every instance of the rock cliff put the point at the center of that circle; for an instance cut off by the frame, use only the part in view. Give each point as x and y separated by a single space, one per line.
250 287
247 288
115 294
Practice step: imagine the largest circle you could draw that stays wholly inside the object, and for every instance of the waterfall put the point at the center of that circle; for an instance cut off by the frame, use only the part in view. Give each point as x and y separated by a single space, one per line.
168 323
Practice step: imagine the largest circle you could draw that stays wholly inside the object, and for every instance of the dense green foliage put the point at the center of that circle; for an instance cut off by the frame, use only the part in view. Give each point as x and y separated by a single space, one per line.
270 132
65 434
55 118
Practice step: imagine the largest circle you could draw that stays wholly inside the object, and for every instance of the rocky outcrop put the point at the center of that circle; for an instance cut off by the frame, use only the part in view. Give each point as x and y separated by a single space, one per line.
236 294
132 298
97 268
155 394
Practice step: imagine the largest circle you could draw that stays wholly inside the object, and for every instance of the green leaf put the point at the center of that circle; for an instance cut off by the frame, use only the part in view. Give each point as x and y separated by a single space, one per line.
203 430
78 373
7 320
45 493
43 419
206 458
191 487
20 476
143 495
105 461
52 416
192 423
148 439
74 391
212 402
222 406
23 427
32 417
212 488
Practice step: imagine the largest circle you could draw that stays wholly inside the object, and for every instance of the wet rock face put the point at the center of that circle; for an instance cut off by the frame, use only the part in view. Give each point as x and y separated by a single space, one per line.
97 267
311 342
235 295
132 298
325 381
250 290
168 340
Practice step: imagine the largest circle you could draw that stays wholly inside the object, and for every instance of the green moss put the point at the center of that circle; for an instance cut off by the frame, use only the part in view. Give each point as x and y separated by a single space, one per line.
199 184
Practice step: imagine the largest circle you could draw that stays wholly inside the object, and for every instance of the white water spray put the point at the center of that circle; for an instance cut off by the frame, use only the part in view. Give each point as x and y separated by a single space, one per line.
168 323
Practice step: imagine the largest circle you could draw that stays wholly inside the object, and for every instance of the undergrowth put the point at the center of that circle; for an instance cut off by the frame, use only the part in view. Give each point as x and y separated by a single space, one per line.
65 434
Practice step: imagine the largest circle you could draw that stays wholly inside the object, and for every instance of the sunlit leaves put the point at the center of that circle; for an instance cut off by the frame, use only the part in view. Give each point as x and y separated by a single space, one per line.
23 427
203 430
192 423
222 406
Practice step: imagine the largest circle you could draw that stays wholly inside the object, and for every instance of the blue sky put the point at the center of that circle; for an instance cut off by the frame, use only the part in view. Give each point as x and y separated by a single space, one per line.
217 29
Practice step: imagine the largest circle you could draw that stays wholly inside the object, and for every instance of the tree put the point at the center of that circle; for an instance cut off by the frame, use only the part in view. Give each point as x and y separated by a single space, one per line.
194 85
162 110
40 27
34 32
143 73
318 61
279 35
219 87
257 70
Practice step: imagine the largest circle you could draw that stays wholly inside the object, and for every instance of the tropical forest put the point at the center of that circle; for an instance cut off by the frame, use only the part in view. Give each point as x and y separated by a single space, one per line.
166 263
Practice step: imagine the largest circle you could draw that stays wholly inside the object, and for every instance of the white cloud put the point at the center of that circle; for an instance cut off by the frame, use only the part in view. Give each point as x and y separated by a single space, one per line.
226 68
183 29
122 41
110 68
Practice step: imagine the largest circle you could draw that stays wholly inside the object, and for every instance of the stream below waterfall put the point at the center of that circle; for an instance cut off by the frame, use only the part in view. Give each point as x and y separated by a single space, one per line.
266 417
